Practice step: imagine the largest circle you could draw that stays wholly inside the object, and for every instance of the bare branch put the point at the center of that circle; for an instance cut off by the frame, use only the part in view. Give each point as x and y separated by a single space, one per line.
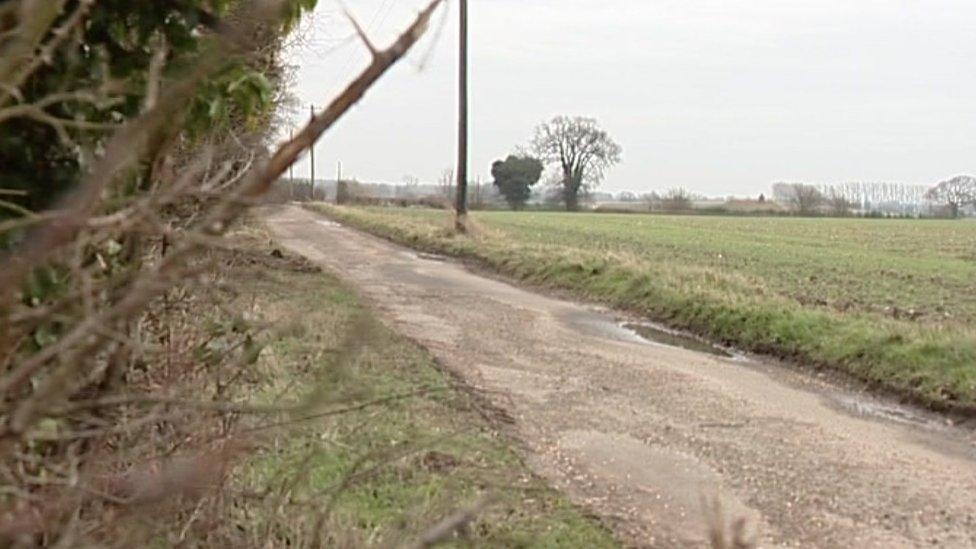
155 78
119 154
38 15
291 150
99 100
454 524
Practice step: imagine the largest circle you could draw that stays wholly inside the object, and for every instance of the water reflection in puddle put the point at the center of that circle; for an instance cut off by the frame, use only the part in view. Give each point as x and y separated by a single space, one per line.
424 256
897 414
430 257
852 404
674 339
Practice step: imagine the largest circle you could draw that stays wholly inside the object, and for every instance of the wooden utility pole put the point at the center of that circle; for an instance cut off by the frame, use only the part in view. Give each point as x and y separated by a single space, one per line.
342 193
461 205
291 170
311 154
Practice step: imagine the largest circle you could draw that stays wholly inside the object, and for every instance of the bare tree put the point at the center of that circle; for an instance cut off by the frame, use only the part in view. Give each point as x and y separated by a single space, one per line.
836 201
839 206
448 183
782 192
652 200
876 197
676 200
582 151
956 193
802 198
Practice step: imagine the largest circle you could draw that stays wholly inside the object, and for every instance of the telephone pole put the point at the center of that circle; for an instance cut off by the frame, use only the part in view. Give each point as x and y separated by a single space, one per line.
311 154
461 206
342 190
291 171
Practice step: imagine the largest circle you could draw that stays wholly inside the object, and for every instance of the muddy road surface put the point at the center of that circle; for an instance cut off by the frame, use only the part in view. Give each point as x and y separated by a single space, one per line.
648 435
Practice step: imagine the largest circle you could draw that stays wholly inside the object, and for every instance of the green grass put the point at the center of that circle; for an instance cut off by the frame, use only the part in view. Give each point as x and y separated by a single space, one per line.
891 301
383 474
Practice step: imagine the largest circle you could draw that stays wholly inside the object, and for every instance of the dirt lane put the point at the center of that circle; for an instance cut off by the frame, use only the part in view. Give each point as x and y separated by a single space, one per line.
643 433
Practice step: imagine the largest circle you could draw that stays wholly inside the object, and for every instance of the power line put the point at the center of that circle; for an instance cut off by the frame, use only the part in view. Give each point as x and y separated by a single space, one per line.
386 5
386 14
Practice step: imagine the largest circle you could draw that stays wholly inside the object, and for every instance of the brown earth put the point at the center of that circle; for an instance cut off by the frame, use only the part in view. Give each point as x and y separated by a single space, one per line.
648 436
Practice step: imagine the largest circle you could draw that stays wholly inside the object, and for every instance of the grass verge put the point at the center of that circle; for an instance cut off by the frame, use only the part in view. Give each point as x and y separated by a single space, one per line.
407 450
931 364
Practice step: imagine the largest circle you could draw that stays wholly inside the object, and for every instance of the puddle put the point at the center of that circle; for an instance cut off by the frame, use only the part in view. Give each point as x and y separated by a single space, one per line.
851 404
328 223
429 257
884 411
664 337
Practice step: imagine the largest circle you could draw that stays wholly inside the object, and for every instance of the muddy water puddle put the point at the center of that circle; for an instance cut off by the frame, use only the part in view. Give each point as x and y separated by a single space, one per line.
430 257
425 256
890 412
848 401
655 334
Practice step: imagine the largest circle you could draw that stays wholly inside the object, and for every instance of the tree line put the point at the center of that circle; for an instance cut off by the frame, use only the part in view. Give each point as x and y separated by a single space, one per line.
951 196
578 153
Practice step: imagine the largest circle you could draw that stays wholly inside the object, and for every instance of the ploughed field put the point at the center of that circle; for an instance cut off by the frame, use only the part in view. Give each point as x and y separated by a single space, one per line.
891 301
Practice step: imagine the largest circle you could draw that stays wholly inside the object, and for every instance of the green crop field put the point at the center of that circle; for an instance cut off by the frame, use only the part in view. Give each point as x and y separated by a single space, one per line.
891 301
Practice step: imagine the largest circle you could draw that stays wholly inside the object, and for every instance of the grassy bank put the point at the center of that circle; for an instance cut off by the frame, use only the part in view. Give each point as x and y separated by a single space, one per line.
388 448
891 302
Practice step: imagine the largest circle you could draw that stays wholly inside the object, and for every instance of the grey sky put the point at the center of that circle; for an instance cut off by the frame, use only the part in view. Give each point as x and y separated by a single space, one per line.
720 96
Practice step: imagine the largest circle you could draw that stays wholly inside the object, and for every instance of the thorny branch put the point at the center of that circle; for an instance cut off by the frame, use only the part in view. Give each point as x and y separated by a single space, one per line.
23 57
71 376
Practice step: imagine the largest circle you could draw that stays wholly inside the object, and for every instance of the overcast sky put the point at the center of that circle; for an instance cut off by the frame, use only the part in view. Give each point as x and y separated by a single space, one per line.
719 96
